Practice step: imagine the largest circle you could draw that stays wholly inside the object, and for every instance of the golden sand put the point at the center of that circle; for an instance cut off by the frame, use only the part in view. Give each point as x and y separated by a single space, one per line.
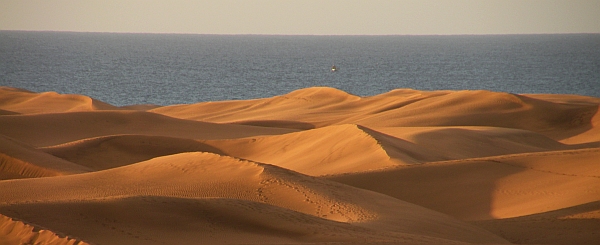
315 166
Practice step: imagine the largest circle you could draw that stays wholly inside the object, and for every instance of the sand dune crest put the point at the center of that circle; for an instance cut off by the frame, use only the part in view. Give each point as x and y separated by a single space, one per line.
334 149
205 175
314 166
112 151
329 150
462 142
569 120
27 102
59 128
484 108
18 160
17 232
492 187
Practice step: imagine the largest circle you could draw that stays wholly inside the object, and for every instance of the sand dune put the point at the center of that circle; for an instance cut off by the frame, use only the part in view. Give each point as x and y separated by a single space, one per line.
484 108
348 148
359 151
309 106
59 128
556 119
168 220
462 142
18 160
314 166
317 107
328 150
106 152
27 102
192 175
16 232
5 112
325 151
492 187
573 225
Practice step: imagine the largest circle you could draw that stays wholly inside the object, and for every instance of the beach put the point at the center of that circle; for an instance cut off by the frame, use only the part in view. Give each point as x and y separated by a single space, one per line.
314 166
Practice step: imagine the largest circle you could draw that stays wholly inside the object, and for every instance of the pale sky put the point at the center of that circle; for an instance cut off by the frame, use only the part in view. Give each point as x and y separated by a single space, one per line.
299 17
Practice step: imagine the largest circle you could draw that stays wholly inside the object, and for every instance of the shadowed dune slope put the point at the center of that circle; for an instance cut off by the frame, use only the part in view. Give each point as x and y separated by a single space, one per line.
169 220
492 187
18 160
205 175
472 142
554 118
16 232
484 108
591 135
5 112
119 150
58 128
27 102
574 225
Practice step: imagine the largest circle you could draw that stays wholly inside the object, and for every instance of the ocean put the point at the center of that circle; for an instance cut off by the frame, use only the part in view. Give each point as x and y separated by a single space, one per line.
165 69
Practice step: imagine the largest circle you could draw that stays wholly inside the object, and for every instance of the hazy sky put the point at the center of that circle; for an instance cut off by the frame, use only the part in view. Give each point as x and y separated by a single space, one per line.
320 17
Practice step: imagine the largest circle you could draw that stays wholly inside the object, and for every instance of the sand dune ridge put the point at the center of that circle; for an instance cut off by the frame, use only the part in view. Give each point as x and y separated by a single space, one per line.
20 160
27 102
314 166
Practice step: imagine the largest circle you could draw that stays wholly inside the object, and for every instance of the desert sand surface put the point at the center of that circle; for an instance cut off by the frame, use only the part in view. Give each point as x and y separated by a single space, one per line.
314 166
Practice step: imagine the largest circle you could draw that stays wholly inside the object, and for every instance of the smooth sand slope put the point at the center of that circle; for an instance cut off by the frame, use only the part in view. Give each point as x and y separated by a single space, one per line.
201 182
113 151
20 101
326 106
348 148
531 198
58 128
328 150
493 187
19 160
314 166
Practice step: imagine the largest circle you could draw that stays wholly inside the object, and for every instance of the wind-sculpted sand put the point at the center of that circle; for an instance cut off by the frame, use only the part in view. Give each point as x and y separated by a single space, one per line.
315 166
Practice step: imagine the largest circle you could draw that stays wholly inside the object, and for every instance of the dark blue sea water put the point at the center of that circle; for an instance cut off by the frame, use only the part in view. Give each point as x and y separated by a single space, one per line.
163 69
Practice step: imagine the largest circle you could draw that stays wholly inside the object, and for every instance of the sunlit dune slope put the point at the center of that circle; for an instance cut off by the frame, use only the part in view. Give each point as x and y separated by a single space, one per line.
306 105
58 128
351 148
328 150
206 175
106 152
27 102
18 160
314 166
318 107
142 107
492 187
324 151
